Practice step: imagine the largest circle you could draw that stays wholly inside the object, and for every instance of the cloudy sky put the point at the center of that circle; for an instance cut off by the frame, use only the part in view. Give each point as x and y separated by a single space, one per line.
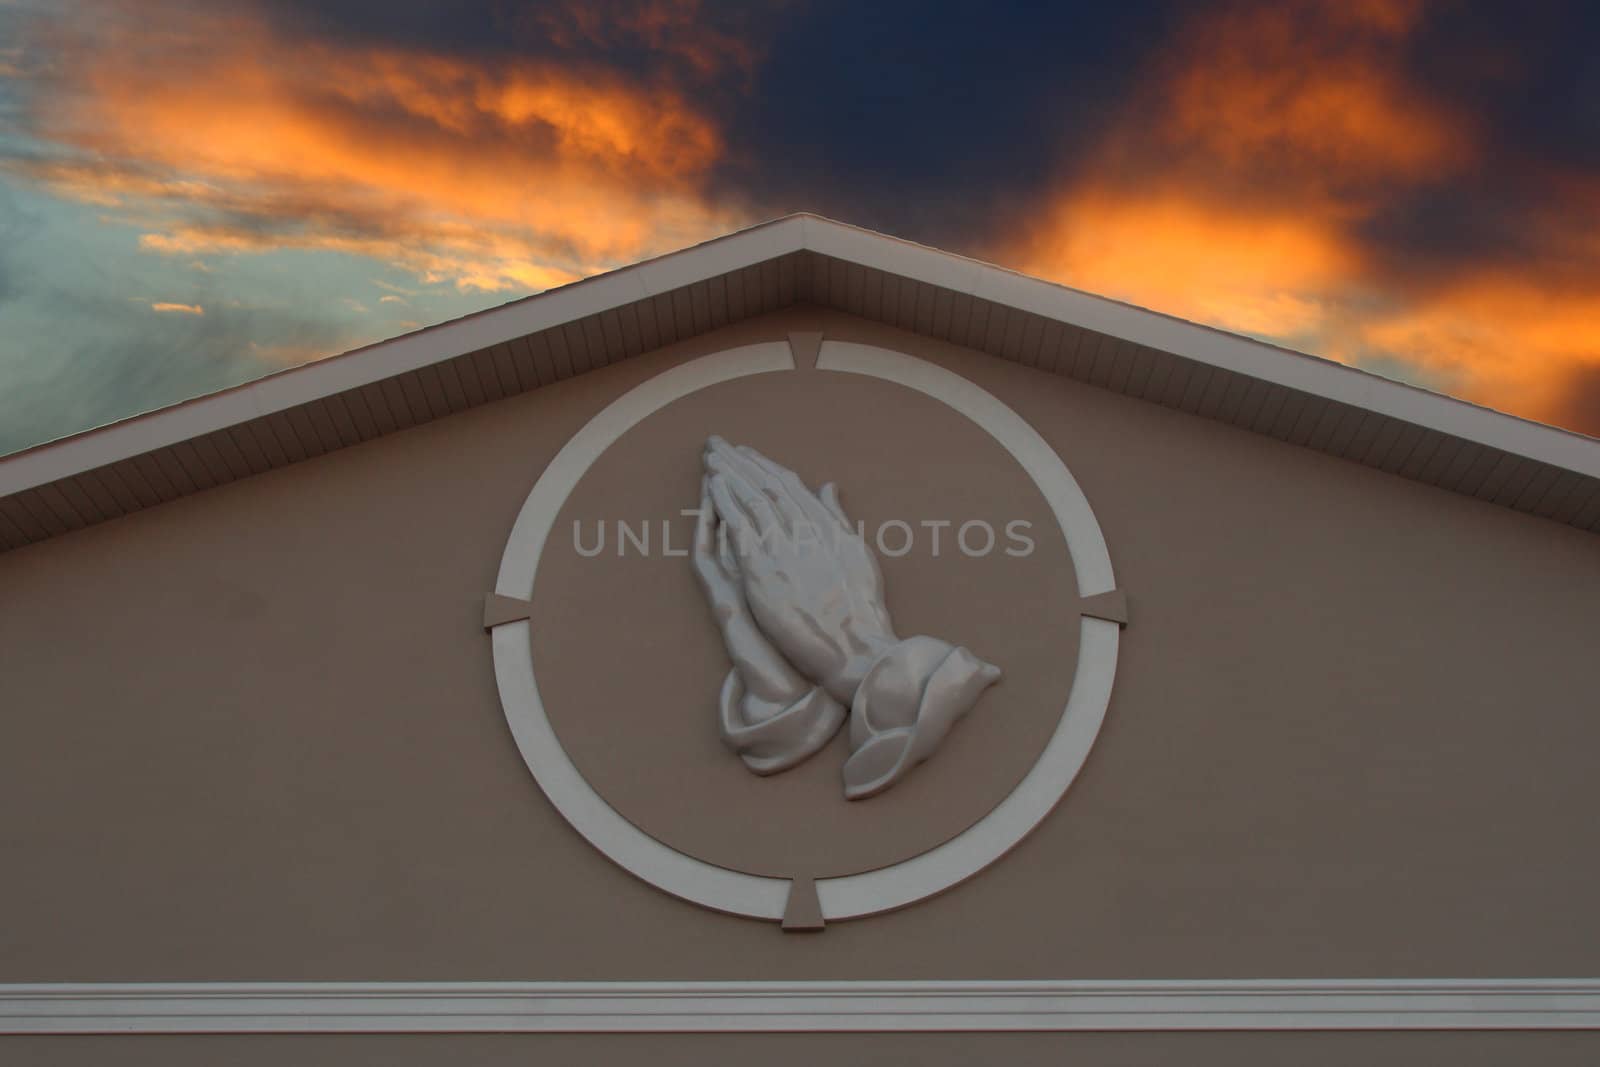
192 195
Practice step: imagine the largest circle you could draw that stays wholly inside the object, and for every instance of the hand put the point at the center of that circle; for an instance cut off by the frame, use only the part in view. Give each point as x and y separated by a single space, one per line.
809 579
768 677
768 713
800 600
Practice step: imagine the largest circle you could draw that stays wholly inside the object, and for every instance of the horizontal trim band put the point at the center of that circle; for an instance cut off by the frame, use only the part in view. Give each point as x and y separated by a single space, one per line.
666 1007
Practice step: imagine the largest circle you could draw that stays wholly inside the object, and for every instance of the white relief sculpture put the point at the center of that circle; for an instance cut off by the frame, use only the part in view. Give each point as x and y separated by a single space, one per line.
799 598
845 896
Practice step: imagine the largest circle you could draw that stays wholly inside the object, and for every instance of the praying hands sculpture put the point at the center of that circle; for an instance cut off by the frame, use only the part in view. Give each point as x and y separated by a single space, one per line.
799 599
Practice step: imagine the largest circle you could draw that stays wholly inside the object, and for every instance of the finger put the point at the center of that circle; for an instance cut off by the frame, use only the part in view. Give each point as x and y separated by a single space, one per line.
721 452
767 465
744 532
730 565
726 459
760 510
704 521
768 515
830 500
793 491
760 464
727 506
761 474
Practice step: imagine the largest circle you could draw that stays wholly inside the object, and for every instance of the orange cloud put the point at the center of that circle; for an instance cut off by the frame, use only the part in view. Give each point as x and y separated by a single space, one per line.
1507 341
1317 90
225 138
1253 271
186 309
471 257
1238 190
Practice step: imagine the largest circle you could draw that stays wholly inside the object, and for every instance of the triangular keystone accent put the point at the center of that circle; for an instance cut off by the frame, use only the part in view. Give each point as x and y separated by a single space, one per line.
1112 607
804 910
805 347
499 609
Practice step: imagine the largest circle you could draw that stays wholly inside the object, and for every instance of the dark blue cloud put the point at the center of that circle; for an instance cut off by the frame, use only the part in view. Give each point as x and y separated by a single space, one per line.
1525 80
926 121
922 120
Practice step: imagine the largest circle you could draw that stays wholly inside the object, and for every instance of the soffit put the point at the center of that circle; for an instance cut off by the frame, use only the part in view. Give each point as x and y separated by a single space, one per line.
307 411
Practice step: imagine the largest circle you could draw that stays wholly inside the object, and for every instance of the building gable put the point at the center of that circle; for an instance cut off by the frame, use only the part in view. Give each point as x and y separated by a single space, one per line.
802 259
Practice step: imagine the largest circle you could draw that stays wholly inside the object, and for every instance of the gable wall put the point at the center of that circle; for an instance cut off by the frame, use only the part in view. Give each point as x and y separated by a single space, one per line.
254 734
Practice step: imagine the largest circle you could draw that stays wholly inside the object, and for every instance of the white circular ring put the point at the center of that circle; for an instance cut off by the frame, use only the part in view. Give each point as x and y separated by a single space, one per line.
854 895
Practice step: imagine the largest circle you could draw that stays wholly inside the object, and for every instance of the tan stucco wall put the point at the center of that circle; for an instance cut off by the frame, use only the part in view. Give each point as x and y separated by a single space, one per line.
254 734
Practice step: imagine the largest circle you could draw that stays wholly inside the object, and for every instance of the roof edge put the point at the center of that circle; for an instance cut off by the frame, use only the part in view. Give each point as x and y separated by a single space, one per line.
161 427
68 456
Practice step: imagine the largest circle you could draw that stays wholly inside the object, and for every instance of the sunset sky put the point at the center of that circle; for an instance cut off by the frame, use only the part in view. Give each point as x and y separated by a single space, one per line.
193 195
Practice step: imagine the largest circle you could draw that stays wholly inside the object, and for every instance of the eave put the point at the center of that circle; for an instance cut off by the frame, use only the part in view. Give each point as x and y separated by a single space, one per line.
303 412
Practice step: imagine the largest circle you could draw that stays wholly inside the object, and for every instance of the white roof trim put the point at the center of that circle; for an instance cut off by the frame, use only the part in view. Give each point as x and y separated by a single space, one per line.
1204 344
95 448
298 385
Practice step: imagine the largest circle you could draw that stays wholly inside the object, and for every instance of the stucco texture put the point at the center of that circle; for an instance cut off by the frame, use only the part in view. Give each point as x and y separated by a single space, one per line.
254 734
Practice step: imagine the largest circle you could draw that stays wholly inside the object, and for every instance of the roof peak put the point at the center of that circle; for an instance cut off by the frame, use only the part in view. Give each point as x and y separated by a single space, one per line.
800 257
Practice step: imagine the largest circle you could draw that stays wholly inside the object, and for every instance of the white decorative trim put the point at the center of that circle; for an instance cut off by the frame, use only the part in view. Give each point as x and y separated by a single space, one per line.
1207 345
849 896
69 456
728 1007
427 347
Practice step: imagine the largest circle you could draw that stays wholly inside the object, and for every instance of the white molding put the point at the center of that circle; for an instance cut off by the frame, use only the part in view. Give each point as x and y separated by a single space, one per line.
1209 346
189 419
57 460
727 1007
